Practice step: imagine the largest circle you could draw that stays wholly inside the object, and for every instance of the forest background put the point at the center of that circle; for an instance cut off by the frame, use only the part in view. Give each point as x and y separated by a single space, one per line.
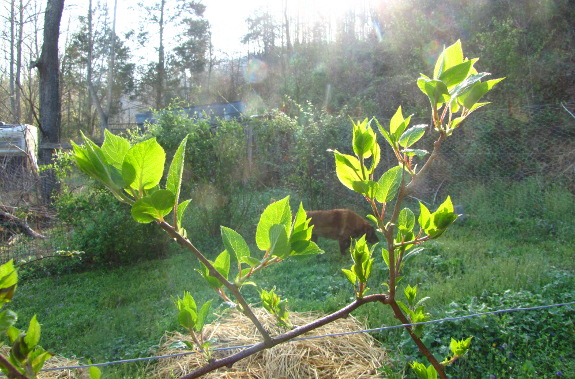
302 76
359 60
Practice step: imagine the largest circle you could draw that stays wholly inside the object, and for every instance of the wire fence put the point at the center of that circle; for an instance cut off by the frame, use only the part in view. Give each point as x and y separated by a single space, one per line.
381 329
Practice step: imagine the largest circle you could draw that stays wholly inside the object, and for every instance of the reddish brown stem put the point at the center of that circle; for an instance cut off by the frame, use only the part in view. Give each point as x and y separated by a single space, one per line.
12 371
184 242
420 345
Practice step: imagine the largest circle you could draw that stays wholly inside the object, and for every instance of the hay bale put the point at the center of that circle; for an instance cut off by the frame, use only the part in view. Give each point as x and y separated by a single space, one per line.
349 356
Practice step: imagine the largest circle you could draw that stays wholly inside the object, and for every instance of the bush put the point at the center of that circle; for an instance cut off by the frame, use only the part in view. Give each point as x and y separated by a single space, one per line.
104 230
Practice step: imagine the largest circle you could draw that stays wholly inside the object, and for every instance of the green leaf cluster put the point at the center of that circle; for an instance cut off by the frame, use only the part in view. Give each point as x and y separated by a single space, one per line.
276 306
423 372
360 271
415 309
459 348
26 355
434 224
188 315
133 175
455 89
278 236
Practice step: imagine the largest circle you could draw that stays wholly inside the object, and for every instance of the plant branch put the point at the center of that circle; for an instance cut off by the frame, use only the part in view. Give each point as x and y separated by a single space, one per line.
420 345
434 155
342 313
184 242
12 371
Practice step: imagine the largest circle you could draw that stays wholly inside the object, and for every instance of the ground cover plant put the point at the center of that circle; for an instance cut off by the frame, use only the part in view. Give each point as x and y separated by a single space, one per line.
133 174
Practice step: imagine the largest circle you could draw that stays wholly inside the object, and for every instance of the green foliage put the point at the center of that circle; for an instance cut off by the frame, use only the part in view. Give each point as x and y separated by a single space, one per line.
26 357
504 343
360 271
423 372
275 306
193 320
104 231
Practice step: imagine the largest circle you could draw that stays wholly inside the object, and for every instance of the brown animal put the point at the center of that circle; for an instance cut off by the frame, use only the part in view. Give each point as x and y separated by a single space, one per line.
340 225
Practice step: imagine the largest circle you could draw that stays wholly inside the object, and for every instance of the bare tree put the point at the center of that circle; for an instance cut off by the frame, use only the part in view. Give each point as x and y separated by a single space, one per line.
50 102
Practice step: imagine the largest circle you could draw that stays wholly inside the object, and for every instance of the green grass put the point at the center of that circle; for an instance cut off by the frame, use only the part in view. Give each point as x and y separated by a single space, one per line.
110 314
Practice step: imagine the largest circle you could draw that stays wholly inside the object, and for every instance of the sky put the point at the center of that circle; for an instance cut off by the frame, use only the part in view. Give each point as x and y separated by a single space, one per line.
227 17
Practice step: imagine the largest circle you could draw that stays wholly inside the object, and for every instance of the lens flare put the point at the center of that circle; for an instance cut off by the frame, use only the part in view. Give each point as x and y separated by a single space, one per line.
255 71
431 51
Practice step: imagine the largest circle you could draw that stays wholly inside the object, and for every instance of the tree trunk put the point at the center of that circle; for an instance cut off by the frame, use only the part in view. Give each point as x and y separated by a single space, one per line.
18 79
12 60
50 102
161 61
91 95
111 72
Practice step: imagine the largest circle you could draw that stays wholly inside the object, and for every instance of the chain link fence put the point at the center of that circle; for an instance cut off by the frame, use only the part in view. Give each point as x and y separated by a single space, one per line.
504 145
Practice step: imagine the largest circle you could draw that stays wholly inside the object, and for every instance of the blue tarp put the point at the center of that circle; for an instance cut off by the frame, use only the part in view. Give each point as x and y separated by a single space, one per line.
223 111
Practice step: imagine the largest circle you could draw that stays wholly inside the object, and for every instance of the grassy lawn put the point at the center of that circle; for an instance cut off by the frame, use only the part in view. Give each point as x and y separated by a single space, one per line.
478 265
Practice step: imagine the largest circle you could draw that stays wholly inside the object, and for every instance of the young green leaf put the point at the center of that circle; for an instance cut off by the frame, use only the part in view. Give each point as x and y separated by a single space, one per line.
412 135
153 207
115 149
449 57
8 281
300 227
410 294
420 370
33 334
279 244
187 318
362 139
367 188
95 373
444 216
92 161
350 275
7 319
415 152
477 91
37 357
425 220
235 243
174 180
347 169
278 212
253 262
222 264
388 137
388 184
435 90
457 74
203 315
406 220
143 165
181 212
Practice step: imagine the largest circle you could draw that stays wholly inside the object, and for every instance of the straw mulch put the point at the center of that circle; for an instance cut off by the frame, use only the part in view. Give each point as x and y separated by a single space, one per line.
349 356
59 361
54 362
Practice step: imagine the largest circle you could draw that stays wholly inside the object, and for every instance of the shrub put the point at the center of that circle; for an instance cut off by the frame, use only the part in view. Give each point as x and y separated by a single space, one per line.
103 229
